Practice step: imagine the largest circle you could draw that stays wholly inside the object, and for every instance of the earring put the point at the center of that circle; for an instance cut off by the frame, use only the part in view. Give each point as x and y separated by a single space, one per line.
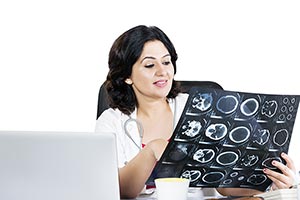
128 81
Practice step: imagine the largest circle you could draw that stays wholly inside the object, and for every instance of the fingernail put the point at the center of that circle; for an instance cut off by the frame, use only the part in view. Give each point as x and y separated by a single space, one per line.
264 170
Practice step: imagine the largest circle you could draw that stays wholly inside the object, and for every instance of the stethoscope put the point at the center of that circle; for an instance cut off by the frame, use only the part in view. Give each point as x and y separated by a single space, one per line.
140 131
140 128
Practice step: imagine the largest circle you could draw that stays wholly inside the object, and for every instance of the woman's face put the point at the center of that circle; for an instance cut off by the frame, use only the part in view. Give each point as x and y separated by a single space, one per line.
153 72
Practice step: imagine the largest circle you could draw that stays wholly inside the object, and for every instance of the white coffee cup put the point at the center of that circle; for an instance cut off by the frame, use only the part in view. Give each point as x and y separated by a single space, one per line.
172 188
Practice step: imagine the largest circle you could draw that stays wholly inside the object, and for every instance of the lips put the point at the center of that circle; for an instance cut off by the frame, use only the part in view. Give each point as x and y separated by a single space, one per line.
161 83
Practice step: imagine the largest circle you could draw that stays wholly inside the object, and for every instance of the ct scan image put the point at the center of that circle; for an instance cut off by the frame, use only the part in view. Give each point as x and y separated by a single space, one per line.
226 138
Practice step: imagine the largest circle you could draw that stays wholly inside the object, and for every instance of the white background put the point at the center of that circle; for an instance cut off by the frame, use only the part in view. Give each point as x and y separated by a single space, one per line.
53 54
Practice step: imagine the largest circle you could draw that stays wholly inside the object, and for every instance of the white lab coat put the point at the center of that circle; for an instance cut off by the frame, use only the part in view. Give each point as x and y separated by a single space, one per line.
113 120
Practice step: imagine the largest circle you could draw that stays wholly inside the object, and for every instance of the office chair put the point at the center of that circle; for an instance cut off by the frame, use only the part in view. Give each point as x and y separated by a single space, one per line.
185 85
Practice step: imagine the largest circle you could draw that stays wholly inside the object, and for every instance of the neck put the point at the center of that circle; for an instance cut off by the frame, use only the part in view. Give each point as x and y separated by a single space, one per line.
153 108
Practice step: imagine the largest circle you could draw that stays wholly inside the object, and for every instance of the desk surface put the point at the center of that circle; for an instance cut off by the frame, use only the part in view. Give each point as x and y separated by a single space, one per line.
198 194
195 197
205 198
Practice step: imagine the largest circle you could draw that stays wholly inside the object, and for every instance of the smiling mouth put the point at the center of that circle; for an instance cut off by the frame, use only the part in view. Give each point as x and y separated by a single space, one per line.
161 83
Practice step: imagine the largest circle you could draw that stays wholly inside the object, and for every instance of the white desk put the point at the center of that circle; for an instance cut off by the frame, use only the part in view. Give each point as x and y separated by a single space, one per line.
204 198
195 195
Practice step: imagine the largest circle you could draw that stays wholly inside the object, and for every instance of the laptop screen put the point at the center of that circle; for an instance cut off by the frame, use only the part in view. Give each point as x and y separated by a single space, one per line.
58 165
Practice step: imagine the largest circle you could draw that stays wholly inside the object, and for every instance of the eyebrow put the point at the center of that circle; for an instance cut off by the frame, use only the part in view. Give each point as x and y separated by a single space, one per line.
151 57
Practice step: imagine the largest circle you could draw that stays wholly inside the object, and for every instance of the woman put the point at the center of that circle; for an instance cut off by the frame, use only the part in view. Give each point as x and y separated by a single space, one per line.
146 105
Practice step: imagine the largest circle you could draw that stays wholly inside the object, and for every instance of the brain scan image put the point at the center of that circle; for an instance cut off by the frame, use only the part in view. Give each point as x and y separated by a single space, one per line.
286 109
216 131
283 117
202 102
269 108
249 160
193 175
226 138
233 177
257 179
234 174
227 181
168 170
239 134
261 137
281 137
289 117
268 162
179 152
213 177
227 158
204 155
227 104
249 107
240 178
192 128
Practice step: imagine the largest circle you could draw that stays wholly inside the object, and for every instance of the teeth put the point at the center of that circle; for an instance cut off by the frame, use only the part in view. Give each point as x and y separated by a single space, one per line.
160 81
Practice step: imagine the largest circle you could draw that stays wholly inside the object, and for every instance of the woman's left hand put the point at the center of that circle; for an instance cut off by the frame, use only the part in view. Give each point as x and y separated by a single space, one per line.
287 178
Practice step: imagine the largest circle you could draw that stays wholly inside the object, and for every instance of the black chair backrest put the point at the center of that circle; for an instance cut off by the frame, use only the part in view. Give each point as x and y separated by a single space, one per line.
102 101
185 85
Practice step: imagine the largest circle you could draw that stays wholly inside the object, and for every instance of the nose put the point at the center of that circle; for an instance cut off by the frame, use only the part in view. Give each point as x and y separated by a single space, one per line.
161 70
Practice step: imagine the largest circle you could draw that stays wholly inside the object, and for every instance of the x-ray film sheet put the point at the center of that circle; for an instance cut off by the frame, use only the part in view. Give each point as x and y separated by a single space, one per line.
226 138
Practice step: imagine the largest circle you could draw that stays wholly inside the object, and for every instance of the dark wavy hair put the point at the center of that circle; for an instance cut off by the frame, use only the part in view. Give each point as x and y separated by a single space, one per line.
124 53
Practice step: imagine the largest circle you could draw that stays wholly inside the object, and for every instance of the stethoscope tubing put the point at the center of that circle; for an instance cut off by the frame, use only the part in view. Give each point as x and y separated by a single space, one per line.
140 128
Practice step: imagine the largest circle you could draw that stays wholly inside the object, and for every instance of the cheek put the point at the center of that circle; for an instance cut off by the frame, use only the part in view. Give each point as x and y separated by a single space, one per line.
145 76
171 71
139 74
141 78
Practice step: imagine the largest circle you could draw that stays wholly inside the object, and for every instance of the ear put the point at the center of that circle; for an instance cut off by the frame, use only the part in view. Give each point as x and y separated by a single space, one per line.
128 81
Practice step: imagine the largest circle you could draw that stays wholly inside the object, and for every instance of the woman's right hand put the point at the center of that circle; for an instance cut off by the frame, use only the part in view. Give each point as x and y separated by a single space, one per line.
287 177
141 166
157 146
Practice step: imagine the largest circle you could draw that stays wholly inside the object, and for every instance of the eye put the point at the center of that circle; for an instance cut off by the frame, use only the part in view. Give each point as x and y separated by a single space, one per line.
166 63
149 65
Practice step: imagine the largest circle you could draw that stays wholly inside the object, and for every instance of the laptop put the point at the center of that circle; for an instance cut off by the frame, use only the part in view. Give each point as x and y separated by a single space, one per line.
58 166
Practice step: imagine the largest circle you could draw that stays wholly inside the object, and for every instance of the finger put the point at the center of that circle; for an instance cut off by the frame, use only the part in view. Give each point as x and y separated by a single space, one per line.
289 162
279 184
283 168
277 176
281 180
274 187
